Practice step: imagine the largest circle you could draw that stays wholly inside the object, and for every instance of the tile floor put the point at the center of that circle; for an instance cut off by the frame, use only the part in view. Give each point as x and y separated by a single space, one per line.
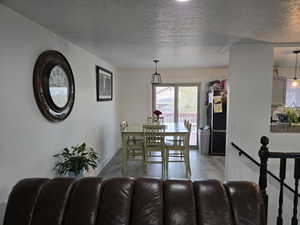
203 167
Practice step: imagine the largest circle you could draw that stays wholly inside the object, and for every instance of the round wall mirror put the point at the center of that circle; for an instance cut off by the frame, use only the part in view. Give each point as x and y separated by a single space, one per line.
59 86
54 87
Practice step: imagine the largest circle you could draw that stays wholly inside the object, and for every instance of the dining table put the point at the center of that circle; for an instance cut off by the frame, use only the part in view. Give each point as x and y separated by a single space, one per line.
171 129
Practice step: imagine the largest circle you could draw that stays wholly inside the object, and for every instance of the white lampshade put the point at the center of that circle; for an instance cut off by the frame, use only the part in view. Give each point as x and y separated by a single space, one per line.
295 83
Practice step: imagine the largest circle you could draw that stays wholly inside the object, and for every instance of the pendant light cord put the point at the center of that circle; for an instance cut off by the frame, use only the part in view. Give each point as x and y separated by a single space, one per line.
155 61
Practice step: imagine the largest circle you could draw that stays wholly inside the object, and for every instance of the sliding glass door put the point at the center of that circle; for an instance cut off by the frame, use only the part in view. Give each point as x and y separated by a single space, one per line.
179 102
165 102
188 109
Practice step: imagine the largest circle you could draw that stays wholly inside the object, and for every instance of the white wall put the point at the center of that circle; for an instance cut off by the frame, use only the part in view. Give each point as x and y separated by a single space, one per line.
250 96
136 93
27 139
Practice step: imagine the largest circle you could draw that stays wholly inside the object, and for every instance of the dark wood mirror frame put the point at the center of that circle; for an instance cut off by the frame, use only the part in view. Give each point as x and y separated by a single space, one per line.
42 69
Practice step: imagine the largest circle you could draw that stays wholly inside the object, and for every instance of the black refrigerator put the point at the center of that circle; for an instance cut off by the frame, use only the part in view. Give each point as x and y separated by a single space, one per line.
217 115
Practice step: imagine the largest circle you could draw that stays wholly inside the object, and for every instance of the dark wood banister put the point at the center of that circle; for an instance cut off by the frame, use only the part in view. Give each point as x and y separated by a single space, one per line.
265 155
274 155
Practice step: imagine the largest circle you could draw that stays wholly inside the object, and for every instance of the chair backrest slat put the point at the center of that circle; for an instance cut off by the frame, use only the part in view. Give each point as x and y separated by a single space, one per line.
154 134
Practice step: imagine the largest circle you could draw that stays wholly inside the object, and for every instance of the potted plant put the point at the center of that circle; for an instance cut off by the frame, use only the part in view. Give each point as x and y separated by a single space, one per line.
292 115
74 161
157 113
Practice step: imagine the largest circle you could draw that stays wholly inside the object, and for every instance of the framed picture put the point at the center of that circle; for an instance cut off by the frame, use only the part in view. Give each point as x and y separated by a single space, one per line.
104 84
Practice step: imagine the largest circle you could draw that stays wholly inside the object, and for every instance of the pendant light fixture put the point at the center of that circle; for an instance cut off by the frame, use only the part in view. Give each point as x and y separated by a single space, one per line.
156 78
295 82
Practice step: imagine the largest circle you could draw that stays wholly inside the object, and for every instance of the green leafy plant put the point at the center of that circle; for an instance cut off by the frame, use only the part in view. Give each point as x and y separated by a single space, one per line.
292 115
75 160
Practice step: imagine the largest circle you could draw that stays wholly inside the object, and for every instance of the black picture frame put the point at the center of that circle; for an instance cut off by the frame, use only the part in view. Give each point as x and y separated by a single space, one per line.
104 84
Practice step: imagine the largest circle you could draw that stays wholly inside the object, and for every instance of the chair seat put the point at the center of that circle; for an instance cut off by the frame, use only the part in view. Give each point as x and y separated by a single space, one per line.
135 154
174 140
175 154
135 142
137 138
174 143
154 147
132 141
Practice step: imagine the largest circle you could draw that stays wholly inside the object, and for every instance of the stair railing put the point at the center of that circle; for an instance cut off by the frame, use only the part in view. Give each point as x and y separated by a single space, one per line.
265 155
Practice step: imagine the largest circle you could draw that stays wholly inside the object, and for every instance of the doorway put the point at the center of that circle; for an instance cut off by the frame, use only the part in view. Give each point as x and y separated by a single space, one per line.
179 102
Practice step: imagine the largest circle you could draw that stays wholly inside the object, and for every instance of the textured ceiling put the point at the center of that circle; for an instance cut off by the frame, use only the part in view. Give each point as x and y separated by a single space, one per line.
198 33
284 56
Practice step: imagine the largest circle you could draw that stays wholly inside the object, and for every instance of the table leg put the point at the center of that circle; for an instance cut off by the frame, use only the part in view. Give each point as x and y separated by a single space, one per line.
124 154
166 161
187 156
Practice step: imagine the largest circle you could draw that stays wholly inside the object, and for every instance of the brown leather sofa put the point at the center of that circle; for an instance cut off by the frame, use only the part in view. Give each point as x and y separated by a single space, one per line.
144 201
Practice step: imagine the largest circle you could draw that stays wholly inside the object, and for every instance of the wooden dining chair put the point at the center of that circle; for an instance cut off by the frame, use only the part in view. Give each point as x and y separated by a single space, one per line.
132 148
177 150
154 145
177 140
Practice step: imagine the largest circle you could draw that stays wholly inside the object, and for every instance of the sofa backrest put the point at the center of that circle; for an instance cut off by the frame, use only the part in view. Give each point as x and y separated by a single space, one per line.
126 201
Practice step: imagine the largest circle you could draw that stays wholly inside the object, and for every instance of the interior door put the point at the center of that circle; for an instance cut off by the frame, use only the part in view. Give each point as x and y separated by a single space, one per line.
179 102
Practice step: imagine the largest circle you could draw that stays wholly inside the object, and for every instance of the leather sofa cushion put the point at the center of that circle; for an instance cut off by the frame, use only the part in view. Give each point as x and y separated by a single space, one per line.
127 201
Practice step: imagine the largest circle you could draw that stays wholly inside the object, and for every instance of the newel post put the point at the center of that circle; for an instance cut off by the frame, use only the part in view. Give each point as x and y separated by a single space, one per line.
264 155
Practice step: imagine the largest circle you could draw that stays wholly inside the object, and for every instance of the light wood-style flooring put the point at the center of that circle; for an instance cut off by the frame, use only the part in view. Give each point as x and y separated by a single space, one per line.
203 167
